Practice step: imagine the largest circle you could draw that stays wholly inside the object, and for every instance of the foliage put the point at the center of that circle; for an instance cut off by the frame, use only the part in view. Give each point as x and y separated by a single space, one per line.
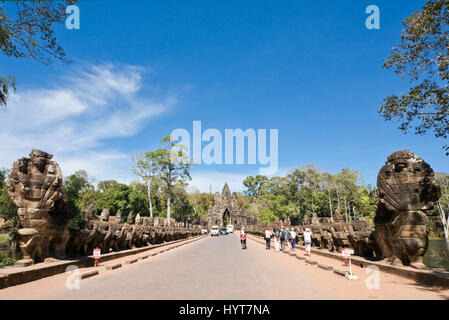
74 186
423 58
6 261
307 191
8 210
27 31
255 185
171 164
200 202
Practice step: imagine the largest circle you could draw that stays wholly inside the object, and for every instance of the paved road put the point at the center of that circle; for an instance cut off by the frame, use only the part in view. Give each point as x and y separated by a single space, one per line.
212 268
217 268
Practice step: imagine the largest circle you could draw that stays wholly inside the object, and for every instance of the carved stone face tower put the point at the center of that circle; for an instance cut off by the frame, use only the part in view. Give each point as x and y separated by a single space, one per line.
226 211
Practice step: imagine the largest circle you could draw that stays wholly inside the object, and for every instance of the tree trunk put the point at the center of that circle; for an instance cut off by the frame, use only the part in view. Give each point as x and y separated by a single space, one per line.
149 197
443 219
330 206
346 211
313 209
299 208
338 200
168 203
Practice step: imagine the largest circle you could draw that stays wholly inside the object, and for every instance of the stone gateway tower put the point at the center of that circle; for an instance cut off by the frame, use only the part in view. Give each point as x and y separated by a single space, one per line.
225 211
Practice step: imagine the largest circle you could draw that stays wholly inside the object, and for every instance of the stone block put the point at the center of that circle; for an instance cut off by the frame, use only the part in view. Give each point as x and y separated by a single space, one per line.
312 262
114 266
131 261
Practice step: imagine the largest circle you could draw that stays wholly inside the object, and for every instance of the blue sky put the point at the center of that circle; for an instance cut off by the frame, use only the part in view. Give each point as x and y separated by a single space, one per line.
141 69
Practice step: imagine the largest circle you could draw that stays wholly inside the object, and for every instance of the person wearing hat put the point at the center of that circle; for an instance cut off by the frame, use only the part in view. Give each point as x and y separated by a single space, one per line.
268 235
308 240
282 238
293 235
243 238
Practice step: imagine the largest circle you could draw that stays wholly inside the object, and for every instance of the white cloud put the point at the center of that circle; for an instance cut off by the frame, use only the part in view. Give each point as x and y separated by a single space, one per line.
73 118
203 180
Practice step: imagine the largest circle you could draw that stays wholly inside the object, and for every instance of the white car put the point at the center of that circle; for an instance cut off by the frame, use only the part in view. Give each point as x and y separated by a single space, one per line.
214 231
230 228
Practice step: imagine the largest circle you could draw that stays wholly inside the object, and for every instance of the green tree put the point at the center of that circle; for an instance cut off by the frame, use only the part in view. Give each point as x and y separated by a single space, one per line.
74 186
138 199
27 31
103 186
171 165
145 167
114 198
255 185
422 57
200 202
8 210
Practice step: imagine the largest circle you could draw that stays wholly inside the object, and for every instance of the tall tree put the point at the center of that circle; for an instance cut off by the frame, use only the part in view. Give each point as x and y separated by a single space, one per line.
422 57
145 167
74 186
296 180
27 31
255 185
171 165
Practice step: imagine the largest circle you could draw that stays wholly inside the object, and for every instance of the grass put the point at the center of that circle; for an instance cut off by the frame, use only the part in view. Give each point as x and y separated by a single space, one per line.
5 239
7 261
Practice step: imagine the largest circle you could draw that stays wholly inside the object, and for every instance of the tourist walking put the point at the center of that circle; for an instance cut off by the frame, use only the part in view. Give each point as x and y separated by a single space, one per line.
288 237
277 238
293 235
282 238
308 240
268 235
243 238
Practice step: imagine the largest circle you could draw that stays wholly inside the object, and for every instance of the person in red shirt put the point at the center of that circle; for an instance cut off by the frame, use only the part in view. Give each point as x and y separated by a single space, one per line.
243 238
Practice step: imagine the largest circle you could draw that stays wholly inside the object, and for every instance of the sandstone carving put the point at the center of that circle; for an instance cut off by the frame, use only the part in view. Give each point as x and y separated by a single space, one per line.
225 211
130 219
90 212
104 215
118 216
406 190
138 219
35 187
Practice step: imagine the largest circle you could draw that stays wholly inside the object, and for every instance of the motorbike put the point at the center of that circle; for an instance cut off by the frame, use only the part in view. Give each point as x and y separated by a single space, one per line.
243 241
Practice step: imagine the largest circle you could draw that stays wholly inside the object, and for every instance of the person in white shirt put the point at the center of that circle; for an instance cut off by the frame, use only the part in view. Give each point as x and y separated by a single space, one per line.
293 235
268 235
308 240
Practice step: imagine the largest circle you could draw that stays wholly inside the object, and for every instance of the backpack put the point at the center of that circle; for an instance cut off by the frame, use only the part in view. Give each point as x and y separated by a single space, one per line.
276 232
289 237
283 235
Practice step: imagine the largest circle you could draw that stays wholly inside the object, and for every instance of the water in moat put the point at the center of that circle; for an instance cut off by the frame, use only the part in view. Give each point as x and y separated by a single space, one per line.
437 254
